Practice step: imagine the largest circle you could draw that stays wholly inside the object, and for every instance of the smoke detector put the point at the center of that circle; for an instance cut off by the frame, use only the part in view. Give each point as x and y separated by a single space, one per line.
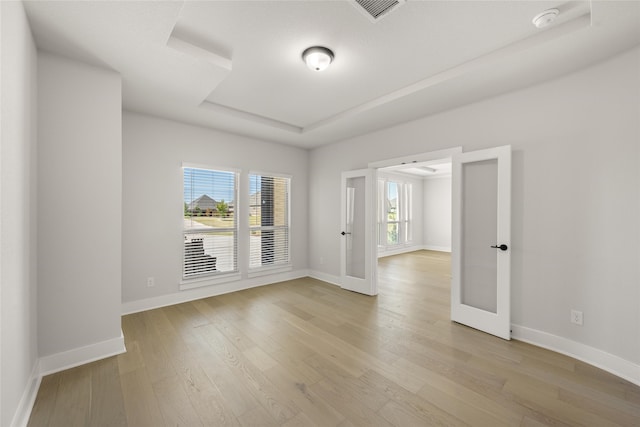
545 18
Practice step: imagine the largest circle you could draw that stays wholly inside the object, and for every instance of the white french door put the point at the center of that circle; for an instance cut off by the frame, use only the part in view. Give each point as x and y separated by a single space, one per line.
481 240
358 244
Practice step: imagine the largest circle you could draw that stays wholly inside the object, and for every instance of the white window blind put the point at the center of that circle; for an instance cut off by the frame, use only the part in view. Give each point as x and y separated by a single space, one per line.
210 225
268 221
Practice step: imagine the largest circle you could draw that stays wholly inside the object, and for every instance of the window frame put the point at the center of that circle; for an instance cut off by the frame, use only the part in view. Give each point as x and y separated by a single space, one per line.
388 211
212 278
404 214
279 267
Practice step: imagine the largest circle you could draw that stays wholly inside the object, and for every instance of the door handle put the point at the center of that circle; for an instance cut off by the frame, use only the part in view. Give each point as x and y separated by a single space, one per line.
502 247
344 232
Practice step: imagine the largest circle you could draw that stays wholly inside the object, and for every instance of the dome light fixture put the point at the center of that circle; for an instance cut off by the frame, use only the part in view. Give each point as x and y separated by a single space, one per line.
317 58
545 18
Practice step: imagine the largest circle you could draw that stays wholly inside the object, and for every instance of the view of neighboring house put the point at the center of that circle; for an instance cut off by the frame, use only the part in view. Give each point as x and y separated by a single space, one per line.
203 203
208 206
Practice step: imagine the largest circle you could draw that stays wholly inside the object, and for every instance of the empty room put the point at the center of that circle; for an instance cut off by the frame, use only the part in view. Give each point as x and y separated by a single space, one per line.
319 213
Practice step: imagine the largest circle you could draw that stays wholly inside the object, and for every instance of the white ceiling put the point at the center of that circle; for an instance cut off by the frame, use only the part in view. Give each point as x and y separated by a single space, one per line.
236 65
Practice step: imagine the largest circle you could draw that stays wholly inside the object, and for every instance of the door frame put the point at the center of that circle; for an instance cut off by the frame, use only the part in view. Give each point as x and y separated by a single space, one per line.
446 154
417 158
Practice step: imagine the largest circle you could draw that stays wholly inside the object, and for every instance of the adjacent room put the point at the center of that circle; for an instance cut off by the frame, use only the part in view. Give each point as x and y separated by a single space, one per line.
329 213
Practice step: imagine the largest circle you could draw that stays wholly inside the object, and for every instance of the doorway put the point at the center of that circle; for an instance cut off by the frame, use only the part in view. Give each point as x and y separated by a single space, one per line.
414 207
480 242
417 169
414 236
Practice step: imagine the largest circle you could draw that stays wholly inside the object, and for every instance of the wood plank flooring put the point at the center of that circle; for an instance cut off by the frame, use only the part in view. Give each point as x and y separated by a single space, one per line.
305 353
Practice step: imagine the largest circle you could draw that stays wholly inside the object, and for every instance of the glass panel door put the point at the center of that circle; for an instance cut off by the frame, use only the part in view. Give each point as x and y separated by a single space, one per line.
481 234
479 224
355 233
358 232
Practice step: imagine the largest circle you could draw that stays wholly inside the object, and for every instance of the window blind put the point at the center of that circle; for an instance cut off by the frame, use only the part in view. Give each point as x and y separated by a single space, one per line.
268 221
210 225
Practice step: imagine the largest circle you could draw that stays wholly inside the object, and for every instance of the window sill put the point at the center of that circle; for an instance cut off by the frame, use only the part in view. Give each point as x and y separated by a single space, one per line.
264 271
209 280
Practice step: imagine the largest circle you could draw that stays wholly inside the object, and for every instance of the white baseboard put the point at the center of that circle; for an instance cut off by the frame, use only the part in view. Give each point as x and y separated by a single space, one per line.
436 248
25 406
82 355
208 291
593 356
59 362
329 278
398 250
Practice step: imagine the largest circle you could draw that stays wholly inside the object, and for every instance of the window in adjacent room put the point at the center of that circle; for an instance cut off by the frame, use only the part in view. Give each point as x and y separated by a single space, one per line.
269 221
210 223
394 213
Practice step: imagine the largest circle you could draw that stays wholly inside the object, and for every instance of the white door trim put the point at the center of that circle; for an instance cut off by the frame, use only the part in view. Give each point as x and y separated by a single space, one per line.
416 158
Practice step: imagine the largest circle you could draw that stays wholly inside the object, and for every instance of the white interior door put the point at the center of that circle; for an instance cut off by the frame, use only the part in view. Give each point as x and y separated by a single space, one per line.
481 240
358 257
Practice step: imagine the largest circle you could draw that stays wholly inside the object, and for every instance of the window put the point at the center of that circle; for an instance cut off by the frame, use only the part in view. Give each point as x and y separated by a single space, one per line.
405 211
394 212
268 221
210 225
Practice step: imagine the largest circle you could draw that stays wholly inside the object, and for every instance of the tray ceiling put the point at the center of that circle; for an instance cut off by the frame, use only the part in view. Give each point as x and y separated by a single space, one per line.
236 65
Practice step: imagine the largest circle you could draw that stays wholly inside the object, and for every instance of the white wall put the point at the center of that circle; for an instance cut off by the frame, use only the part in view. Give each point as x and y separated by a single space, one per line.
576 179
153 152
79 205
18 210
437 213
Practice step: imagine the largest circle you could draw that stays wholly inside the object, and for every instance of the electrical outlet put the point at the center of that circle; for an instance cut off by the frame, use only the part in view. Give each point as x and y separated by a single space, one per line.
576 317
150 282
321 260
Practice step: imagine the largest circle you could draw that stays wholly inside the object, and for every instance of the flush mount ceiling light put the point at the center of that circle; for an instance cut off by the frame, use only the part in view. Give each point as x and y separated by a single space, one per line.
317 58
545 18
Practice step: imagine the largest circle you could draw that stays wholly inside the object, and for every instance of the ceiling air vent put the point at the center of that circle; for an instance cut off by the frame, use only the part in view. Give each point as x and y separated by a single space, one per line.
376 9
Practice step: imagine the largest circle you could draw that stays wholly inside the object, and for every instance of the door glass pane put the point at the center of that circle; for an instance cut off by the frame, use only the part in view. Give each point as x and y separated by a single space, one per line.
355 229
478 285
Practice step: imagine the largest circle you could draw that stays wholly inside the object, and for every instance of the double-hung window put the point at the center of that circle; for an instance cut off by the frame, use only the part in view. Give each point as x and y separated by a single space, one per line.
269 221
406 208
210 223
394 213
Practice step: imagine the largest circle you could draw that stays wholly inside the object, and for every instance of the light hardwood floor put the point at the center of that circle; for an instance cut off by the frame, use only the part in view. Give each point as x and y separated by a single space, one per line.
304 353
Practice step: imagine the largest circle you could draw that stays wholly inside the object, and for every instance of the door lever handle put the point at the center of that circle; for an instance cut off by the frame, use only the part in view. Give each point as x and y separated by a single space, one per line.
502 247
344 232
